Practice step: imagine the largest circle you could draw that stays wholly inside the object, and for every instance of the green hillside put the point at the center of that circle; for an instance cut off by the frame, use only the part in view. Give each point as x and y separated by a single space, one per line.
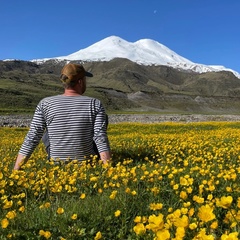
122 86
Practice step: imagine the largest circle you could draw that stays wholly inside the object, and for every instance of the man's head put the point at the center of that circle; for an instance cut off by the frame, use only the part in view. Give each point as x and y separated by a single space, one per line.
71 73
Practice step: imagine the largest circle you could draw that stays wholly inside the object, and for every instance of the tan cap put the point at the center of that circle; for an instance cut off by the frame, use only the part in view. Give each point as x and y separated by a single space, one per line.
74 72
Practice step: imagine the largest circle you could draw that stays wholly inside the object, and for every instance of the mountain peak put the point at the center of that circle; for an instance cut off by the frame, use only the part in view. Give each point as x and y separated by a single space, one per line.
143 51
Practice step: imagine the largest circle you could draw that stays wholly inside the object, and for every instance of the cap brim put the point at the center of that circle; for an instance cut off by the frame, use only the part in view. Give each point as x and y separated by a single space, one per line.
88 74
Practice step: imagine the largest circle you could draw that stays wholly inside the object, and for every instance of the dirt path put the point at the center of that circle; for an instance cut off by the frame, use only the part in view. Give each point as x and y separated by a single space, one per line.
25 120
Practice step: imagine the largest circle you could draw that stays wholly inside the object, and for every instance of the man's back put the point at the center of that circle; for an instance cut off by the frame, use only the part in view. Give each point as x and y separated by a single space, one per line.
72 123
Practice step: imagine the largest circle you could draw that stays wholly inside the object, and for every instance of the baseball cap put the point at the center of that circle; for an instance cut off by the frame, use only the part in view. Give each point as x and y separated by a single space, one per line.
74 72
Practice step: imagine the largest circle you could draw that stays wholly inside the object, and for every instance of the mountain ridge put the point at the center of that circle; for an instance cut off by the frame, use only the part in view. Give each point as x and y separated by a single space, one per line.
143 51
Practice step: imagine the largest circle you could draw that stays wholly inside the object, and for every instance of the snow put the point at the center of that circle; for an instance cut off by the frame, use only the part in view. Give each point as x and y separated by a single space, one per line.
144 51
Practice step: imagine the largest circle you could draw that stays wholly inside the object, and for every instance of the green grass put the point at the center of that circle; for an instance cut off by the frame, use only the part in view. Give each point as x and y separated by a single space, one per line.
152 164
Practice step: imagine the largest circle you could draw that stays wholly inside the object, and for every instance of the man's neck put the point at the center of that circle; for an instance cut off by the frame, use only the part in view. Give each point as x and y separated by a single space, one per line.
70 92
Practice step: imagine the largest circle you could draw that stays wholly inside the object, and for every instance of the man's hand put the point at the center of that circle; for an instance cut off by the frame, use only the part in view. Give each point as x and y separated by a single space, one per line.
21 159
105 156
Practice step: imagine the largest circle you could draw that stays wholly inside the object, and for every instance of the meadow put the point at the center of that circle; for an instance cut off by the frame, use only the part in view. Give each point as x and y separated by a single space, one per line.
165 181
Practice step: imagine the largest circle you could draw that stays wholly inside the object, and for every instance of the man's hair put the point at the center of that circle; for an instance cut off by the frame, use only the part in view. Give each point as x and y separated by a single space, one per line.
67 84
71 73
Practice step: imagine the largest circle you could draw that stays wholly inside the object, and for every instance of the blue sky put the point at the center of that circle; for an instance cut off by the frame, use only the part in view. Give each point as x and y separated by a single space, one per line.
203 31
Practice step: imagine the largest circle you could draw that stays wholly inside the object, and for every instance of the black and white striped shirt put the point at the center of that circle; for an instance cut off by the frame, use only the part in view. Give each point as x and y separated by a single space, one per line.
72 122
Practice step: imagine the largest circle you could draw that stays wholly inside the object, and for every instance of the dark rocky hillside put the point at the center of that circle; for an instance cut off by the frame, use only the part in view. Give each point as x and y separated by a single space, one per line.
123 85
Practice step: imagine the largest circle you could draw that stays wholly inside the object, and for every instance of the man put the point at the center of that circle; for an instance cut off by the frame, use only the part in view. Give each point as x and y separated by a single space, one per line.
73 123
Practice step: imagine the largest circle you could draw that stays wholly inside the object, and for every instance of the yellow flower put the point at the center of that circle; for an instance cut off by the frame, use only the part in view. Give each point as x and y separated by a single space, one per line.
156 223
184 181
210 197
170 210
98 236
7 204
180 233
176 186
83 195
238 202
137 219
191 212
198 199
233 225
139 229
231 236
205 213
93 179
4 223
60 210
230 217
117 213
11 214
189 189
228 189
41 232
47 204
162 235
74 216
187 204
155 190
184 210
214 225
181 222
47 234
224 202
21 209
22 195
211 188
183 195
134 193
10 235
113 194
193 226
156 206
202 235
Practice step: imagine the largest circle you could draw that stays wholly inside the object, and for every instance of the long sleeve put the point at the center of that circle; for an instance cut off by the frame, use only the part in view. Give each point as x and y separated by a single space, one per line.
34 134
100 131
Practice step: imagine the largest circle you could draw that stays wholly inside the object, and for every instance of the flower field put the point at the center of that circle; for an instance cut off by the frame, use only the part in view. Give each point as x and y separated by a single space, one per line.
165 181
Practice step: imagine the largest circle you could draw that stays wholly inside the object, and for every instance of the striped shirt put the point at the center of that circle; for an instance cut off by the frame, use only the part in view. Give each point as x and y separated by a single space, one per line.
72 122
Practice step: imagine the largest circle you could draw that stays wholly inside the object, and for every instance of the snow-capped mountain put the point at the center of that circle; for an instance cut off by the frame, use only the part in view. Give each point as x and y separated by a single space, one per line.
144 51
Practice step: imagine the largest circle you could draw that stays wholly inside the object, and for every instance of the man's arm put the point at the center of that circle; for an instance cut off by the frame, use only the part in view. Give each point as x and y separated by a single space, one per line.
32 138
105 156
19 161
